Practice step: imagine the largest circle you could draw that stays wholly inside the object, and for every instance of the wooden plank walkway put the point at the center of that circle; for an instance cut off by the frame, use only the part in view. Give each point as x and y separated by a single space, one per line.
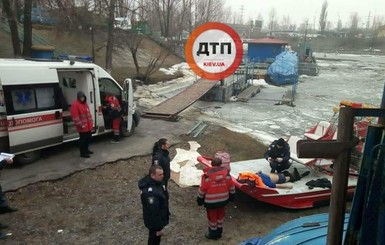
170 108
249 92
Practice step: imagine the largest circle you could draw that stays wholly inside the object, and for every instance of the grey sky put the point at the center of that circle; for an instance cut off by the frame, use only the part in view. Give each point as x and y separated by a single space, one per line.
299 10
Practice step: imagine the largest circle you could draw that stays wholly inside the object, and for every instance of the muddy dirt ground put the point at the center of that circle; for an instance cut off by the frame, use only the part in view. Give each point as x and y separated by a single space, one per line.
102 205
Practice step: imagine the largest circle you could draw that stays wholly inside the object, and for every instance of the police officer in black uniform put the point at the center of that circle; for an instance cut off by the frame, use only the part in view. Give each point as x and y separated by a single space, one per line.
278 155
160 156
155 203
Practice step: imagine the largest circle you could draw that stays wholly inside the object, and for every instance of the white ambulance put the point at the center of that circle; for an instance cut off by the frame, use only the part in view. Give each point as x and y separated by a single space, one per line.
35 99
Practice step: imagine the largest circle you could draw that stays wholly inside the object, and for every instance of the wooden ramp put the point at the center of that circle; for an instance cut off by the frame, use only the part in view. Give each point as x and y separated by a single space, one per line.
170 108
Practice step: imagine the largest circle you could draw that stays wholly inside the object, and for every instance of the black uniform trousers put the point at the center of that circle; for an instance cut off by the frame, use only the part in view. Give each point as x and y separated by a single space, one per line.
84 142
153 239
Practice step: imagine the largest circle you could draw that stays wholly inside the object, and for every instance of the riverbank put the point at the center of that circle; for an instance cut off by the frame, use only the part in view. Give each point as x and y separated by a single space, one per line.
102 205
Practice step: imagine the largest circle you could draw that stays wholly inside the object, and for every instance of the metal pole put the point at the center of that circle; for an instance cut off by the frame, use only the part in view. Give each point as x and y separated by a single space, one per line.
340 179
93 48
381 120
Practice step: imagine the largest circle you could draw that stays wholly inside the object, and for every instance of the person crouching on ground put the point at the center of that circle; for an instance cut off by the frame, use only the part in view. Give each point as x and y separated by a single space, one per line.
154 199
215 191
278 155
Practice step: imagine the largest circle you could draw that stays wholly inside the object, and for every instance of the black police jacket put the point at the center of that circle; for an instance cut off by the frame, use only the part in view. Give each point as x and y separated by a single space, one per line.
154 202
274 152
162 158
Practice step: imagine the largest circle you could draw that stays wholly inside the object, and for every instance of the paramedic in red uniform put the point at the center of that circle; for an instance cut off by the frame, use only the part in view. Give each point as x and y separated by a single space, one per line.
82 118
215 191
115 114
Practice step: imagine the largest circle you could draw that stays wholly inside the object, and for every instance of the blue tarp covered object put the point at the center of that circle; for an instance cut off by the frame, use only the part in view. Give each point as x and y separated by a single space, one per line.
307 230
284 70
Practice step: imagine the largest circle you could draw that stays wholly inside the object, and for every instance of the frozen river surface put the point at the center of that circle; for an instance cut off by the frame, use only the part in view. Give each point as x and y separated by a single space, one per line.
355 78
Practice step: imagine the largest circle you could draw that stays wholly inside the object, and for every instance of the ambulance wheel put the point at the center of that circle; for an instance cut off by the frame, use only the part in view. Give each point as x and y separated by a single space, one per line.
123 129
27 157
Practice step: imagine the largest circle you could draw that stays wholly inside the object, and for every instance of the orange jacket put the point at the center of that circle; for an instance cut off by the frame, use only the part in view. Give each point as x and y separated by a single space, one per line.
216 187
252 177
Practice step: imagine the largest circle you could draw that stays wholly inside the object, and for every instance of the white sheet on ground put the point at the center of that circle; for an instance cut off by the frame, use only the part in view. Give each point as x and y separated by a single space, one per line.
184 163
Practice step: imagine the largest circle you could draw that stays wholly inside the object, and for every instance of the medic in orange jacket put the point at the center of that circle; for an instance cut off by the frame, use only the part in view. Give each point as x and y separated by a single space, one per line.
216 188
113 102
215 191
80 114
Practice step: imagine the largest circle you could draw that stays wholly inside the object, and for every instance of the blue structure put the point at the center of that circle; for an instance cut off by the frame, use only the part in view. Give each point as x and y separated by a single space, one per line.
264 49
311 230
84 58
42 52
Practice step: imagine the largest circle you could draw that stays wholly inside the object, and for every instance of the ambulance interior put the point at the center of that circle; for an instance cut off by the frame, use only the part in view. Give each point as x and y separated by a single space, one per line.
70 83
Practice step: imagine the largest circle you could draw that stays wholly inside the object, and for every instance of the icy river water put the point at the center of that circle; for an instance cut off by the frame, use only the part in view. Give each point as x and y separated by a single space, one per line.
351 77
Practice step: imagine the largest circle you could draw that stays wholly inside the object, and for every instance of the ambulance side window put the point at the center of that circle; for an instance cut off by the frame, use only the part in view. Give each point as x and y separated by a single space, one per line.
24 99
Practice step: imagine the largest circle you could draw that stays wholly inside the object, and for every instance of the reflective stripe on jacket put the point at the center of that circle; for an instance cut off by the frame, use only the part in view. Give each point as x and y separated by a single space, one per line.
81 116
215 188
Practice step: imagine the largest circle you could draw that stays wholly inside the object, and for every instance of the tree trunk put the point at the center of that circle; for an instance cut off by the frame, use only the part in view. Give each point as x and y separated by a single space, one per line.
110 38
167 18
136 63
27 42
160 16
13 27
134 43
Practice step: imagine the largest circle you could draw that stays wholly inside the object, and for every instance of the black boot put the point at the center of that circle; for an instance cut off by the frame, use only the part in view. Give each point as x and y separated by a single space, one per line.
7 209
219 232
212 234
115 139
296 174
3 236
2 226
305 174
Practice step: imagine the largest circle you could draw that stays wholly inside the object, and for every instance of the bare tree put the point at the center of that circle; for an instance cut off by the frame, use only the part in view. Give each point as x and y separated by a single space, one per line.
353 29
27 44
339 25
183 17
286 23
110 37
12 22
227 14
323 16
133 43
272 20
154 63
165 10
208 10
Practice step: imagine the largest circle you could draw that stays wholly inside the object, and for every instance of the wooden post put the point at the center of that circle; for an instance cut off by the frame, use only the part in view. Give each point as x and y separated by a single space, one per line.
340 179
